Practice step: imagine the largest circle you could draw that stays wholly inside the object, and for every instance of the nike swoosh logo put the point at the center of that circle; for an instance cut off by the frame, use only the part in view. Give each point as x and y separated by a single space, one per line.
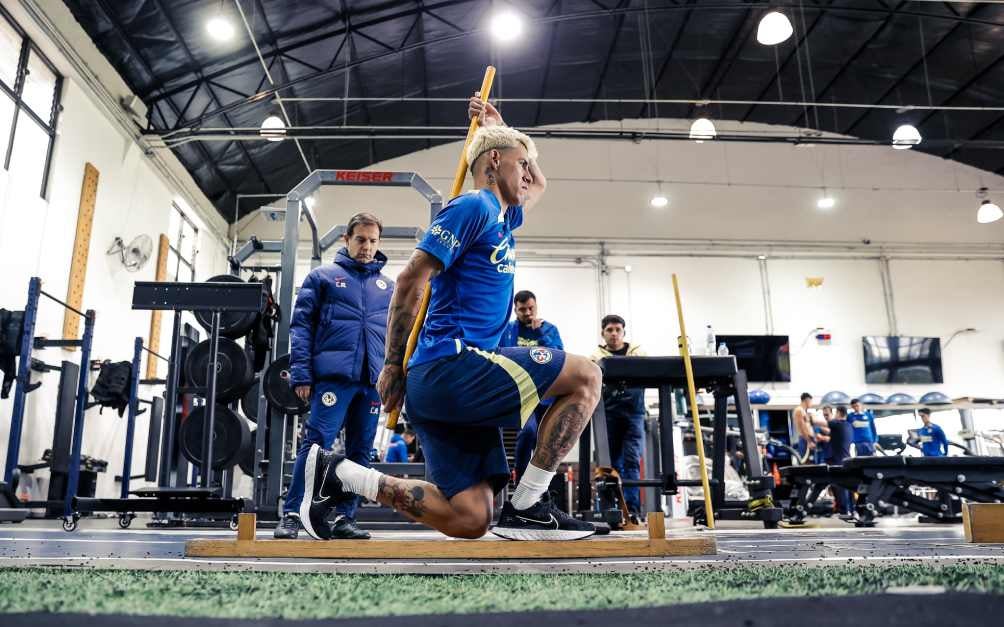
552 521
321 497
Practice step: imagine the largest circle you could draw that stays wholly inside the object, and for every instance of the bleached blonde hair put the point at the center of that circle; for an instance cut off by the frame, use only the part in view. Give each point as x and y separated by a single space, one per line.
498 137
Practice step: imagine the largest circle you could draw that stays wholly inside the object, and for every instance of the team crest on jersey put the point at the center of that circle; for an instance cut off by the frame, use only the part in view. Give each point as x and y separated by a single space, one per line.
541 355
340 282
328 399
381 284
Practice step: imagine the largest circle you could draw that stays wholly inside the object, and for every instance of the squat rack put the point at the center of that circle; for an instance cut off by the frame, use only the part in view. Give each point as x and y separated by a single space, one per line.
23 386
278 424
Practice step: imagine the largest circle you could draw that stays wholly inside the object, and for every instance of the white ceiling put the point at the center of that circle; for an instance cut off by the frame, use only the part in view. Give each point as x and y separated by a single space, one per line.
717 190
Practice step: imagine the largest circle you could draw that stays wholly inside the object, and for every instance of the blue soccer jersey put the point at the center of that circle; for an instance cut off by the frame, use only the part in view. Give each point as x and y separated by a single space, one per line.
472 297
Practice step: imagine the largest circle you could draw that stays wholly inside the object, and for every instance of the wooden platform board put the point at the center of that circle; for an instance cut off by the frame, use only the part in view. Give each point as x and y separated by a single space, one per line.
596 547
983 522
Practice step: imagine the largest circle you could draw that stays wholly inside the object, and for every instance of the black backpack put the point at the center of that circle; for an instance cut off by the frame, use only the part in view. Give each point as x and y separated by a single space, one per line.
11 330
113 385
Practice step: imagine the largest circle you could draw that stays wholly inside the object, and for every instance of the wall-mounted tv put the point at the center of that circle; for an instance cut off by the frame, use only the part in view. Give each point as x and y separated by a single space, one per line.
765 358
902 359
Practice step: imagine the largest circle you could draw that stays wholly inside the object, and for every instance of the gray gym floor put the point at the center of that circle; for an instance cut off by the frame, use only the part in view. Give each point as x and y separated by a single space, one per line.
100 544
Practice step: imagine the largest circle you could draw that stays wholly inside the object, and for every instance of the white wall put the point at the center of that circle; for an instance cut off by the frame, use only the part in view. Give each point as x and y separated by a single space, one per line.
36 239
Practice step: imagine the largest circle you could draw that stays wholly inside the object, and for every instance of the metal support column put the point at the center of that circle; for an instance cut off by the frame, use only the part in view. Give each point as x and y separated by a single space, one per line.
78 414
167 460
719 431
290 240
131 420
206 468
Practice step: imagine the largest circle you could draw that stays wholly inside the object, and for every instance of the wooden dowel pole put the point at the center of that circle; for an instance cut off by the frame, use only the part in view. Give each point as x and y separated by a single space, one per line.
709 513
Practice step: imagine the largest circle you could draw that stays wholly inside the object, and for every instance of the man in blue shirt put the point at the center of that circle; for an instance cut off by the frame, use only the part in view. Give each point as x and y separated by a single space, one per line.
863 423
933 442
461 388
336 338
397 449
529 330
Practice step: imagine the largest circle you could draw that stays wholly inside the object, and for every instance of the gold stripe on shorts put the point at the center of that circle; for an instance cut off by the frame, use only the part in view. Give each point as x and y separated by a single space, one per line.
528 397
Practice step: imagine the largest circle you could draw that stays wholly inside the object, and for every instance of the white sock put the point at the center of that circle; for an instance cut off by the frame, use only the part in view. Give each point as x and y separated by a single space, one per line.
359 479
532 486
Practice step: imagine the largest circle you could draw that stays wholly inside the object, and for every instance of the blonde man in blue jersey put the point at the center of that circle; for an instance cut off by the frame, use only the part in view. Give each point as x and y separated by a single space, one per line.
461 388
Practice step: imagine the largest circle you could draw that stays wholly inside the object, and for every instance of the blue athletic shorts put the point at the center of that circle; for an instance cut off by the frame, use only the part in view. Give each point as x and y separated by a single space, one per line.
458 405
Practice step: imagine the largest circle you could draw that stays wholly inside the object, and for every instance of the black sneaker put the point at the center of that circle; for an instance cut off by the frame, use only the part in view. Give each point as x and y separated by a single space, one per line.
288 528
344 528
322 491
541 521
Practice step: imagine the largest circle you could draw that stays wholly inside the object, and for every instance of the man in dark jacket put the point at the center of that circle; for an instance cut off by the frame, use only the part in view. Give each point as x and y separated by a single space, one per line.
841 437
336 335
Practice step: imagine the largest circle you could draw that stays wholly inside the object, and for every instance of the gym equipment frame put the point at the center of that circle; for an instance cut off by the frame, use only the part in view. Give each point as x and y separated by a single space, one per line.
280 425
722 376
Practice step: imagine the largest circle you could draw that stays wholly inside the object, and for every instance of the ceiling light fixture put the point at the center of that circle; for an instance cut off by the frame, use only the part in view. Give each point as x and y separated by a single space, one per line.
506 26
702 129
988 211
774 28
906 136
659 201
826 201
273 129
219 27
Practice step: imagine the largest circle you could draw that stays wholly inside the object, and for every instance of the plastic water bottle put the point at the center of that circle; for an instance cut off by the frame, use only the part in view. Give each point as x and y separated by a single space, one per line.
709 344
723 350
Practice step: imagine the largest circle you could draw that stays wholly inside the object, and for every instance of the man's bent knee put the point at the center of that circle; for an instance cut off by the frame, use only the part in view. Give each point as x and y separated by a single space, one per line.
591 379
468 526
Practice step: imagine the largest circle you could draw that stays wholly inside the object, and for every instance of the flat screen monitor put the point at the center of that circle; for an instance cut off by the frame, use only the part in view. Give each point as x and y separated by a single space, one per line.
902 359
765 358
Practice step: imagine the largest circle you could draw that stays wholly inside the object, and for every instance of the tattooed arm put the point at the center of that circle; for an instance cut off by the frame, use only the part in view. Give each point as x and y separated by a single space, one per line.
410 286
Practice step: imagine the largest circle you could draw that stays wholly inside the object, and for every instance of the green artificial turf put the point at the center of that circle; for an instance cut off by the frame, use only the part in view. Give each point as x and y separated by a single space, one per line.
293 595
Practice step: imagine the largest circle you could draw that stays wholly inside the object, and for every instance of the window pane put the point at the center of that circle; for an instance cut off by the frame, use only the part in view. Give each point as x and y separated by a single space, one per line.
6 118
10 51
27 162
39 88
188 241
173 224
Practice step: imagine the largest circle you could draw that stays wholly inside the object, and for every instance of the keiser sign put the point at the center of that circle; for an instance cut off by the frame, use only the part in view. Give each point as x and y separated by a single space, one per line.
361 176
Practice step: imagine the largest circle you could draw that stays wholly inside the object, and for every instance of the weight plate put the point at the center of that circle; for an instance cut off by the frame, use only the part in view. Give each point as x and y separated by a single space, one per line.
246 458
231 435
249 402
233 324
233 369
278 391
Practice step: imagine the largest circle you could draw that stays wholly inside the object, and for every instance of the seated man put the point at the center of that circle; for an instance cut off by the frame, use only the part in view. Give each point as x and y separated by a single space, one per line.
461 390
415 454
397 448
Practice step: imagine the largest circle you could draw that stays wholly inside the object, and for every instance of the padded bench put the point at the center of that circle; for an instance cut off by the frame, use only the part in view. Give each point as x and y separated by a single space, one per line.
881 481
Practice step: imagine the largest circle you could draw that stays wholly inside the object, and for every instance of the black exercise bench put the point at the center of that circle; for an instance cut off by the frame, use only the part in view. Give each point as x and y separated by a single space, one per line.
884 481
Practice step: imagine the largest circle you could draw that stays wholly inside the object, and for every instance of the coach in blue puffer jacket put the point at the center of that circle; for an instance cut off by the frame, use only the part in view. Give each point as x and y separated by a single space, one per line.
336 338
